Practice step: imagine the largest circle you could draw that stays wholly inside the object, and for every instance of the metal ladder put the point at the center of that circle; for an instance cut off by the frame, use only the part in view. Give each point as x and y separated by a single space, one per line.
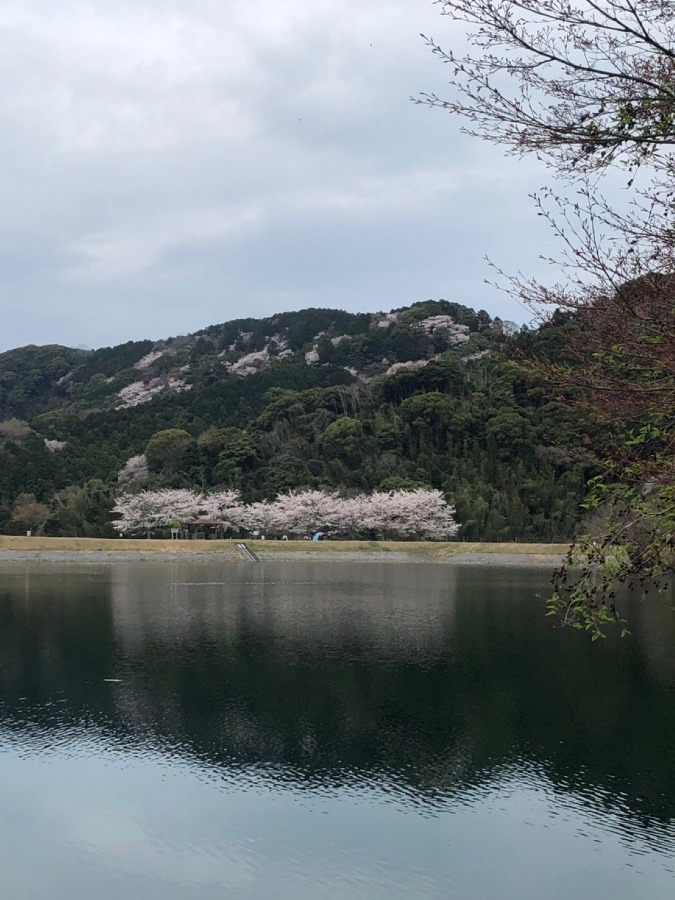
247 553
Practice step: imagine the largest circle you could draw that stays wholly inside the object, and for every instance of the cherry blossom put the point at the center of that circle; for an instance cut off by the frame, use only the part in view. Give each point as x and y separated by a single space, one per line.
419 513
148 510
133 471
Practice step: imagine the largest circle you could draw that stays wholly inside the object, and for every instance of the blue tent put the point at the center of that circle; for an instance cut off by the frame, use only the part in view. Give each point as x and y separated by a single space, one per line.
319 535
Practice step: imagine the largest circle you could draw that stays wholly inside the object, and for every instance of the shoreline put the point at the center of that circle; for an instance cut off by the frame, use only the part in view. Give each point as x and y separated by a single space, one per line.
105 550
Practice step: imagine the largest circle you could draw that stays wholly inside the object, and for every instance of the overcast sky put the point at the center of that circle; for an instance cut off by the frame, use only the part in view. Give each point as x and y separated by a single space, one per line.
171 164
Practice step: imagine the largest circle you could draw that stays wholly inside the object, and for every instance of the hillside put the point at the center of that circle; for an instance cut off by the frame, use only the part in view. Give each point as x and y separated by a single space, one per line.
428 395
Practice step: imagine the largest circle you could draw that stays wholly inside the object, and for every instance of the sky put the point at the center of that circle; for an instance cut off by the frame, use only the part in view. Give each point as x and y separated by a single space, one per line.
171 164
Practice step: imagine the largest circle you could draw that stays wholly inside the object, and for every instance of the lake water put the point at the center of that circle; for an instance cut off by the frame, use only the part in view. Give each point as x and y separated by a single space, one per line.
325 730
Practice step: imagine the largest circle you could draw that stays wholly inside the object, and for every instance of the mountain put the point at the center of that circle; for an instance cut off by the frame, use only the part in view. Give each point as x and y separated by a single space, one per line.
426 395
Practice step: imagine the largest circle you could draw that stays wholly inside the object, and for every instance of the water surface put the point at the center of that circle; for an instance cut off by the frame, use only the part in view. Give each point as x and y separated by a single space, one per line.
327 730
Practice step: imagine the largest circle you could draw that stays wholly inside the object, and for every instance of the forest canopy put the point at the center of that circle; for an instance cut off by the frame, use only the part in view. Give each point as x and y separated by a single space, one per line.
430 397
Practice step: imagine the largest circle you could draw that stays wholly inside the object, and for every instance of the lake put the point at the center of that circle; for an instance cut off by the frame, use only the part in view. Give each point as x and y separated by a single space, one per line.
295 730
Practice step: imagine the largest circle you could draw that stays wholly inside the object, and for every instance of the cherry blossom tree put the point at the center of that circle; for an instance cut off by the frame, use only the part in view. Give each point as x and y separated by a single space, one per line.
143 512
134 471
307 512
396 514
405 514
224 506
258 517
401 514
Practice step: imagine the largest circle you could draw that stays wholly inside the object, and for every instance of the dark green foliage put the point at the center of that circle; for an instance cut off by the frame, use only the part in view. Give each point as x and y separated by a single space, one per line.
344 439
513 460
82 510
226 456
165 450
33 378
109 361
28 515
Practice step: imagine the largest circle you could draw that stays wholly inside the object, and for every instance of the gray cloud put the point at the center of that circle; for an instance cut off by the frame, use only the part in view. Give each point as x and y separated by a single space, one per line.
167 165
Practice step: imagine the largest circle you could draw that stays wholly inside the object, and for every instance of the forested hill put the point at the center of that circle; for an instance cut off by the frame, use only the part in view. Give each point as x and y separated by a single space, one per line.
429 395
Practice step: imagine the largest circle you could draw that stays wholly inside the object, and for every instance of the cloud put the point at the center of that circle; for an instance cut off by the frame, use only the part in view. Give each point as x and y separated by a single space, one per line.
165 164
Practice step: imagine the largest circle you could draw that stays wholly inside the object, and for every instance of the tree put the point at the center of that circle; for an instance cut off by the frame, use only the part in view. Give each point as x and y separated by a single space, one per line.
620 363
83 510
428 416
225 507
164 449
236 455
134 471
416 513
406 514
588 85
28 514
344 439
143 512
584 83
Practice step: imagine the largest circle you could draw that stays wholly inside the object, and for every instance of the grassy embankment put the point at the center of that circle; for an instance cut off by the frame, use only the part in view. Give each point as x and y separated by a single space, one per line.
427 549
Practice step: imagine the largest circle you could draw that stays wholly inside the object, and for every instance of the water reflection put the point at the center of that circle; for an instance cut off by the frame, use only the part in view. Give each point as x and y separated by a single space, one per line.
436 689
288 604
